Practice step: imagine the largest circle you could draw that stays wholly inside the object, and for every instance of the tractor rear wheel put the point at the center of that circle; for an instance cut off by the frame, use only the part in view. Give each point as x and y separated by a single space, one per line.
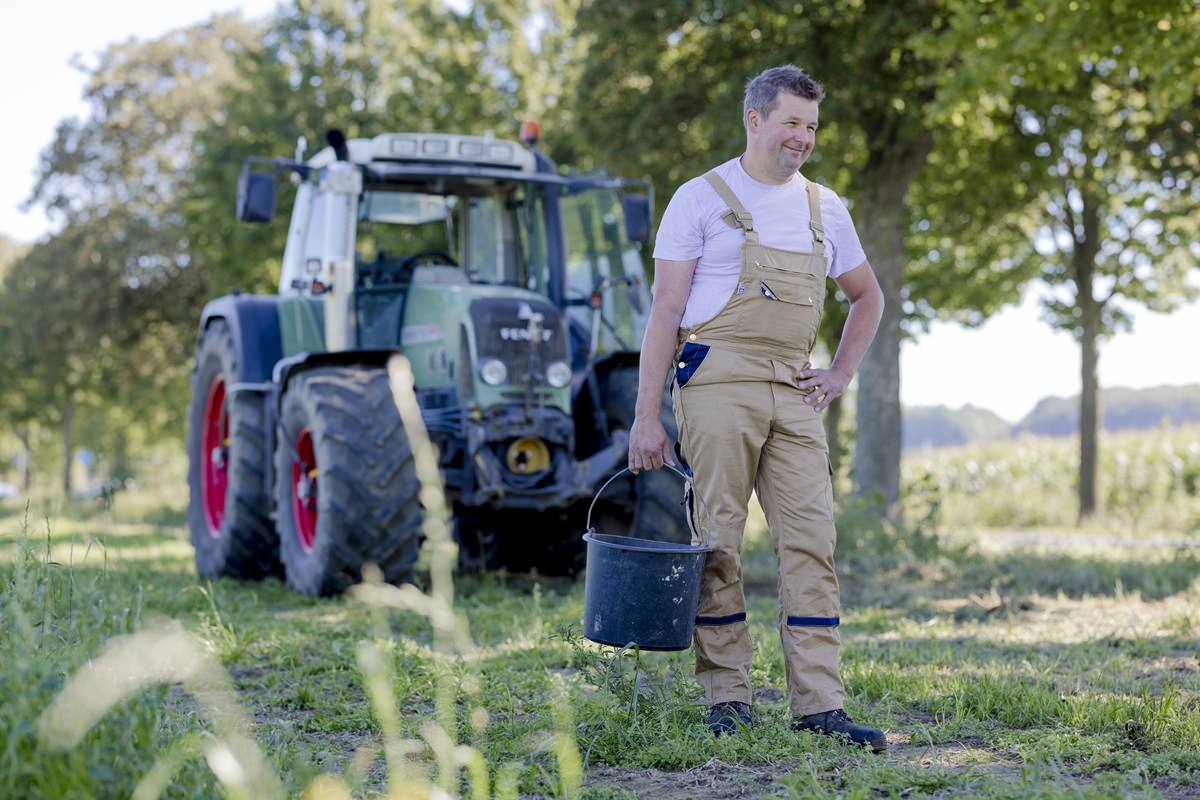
227 507
346 489
650 504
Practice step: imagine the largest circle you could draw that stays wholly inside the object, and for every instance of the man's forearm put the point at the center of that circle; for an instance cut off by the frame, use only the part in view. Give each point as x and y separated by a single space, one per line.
658 348
859 331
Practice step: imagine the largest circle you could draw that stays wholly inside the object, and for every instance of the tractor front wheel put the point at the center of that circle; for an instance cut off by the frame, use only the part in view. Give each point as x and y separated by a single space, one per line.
346 489
227 506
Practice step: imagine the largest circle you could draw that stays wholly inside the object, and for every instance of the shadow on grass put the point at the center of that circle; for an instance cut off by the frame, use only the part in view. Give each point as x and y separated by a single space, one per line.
11 510
133 511
1015 575
96 540
868 581
162 514
1075 576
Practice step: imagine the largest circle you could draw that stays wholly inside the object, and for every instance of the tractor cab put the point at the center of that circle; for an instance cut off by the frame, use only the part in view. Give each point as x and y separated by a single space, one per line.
445 215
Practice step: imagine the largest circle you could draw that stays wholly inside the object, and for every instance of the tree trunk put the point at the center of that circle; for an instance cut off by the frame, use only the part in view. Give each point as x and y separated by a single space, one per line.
1089 412
121 468
68 446
879 215
1084 257
26 459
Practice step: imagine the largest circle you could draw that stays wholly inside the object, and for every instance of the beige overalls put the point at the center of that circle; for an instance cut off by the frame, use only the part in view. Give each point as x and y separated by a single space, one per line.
744 426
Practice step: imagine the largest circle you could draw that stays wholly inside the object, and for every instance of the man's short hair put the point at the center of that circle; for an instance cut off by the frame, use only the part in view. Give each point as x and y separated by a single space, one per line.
762 92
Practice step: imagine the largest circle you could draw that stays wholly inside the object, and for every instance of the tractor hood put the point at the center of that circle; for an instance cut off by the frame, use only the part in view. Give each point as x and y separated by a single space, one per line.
496 345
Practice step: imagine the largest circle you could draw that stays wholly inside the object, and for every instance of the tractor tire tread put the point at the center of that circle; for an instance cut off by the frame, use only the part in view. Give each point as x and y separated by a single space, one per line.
246 546
368 495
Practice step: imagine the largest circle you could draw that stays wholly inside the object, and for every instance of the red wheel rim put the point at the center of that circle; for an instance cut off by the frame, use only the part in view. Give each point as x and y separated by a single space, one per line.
214 458
304 490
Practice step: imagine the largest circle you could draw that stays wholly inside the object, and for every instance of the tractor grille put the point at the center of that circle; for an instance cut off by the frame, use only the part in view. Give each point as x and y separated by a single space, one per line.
502 331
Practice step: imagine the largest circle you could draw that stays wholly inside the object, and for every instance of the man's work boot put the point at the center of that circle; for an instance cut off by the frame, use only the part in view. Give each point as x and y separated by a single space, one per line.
836 723
725 717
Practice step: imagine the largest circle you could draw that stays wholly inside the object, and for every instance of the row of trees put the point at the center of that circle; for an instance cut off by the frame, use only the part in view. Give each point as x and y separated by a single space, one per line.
980 144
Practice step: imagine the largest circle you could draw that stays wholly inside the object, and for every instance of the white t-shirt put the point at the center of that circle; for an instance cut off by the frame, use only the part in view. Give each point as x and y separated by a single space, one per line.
692 228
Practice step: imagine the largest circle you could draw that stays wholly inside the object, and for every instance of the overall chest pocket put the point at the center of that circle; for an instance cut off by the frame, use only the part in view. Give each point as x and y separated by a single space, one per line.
782 308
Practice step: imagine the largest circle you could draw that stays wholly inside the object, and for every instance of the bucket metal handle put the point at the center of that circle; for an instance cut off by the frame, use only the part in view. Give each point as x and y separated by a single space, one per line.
686 481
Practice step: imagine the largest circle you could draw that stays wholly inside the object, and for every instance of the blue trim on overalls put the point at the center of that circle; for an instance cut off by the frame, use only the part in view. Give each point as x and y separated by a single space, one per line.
690 357
728 619
816 622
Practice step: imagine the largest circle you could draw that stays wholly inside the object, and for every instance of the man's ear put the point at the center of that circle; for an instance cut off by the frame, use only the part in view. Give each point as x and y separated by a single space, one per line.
752 120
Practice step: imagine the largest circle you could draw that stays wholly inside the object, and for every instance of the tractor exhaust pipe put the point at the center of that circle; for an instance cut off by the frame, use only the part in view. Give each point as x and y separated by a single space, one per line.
337 140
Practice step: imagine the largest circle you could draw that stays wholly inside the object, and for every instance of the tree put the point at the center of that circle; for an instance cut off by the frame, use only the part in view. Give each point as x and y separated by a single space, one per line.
10 251
675 74
46 341
102 303
922 97
12 407
365 68
1094 107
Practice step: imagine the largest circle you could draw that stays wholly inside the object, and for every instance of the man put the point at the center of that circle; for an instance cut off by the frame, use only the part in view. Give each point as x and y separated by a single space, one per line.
740 265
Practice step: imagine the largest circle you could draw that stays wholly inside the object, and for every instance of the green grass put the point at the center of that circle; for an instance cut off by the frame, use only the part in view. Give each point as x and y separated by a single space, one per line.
998 673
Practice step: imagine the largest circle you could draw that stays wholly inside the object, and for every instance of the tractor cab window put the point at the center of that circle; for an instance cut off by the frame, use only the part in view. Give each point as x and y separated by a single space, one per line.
504 237
602 262
393 226
494 233
529 202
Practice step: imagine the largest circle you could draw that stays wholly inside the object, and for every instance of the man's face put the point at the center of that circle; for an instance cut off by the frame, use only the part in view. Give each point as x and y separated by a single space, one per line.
785 139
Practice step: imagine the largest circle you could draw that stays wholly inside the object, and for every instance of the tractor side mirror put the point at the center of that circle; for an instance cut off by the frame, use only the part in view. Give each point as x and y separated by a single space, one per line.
256 196
637 217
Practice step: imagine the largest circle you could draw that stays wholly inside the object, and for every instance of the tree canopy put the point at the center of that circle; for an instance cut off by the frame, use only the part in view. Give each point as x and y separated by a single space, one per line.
1100 143
99 317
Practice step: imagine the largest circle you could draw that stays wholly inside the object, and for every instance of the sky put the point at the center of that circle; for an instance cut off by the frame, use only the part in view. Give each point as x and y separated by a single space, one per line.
1005 366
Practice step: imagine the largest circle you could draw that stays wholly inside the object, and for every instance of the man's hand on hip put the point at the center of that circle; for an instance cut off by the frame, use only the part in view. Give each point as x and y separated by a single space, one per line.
649 447
825 384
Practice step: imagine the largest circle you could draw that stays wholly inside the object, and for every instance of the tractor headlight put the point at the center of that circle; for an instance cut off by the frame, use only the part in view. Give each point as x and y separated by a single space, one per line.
493 371
558 374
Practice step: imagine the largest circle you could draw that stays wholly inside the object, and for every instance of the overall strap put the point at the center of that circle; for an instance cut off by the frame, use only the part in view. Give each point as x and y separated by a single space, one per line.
737 216
814 212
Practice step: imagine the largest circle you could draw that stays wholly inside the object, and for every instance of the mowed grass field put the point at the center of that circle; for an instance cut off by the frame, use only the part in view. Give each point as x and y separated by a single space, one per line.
1012 661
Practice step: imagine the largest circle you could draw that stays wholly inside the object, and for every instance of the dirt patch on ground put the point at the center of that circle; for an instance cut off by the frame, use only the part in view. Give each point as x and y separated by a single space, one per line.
963 755
721 781
1172 790
769 695
714 780
1175 667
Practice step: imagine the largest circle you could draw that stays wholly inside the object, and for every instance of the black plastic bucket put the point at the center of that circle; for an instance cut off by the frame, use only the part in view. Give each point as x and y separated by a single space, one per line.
640 591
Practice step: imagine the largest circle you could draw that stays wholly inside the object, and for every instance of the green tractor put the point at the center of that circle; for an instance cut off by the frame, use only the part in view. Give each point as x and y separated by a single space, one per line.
519 296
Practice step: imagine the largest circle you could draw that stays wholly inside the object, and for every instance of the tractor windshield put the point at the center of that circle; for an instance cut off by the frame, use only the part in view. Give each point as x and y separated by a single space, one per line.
604 265
494 233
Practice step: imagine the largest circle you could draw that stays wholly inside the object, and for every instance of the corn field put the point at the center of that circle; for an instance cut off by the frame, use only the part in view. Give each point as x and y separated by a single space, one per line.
1149 482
